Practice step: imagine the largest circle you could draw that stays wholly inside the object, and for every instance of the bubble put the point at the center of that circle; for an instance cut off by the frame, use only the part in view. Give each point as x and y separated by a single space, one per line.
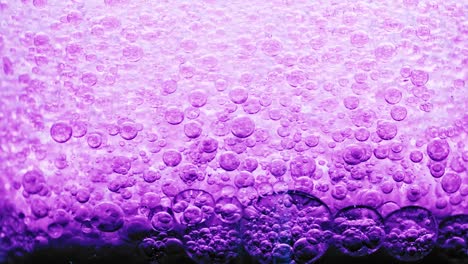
452 237
351 102
229 161
107 217
132 53
339 192
192 129
128 131
271 47
416 156
302 166
244 179
193 206
381 152
411 233
89 78
359 39
278 167
94 140
359 231
174 116
451 182
384 51
387 187
252 106
392 96
39 208
190 173
33 181
54 230
169 87
242 127
438 149
162 221
386 130
249 164
295 78
83 195
437 169
355 154
282 253
208 145
121 164
228 210
419 77
172 158
61 132
79 129
398 113
239 95
198 98
361 134
311 141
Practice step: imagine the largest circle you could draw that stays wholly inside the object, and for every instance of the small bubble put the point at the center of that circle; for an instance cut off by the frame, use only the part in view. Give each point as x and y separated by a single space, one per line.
174 116
61 132
351 102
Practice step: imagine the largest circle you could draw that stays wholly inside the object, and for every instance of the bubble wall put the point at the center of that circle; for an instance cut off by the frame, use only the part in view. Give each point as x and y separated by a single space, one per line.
210 131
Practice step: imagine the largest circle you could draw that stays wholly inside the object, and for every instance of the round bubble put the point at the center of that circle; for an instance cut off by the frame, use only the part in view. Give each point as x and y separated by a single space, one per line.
453 237
61 132
107 217
242 127
358 231
411 233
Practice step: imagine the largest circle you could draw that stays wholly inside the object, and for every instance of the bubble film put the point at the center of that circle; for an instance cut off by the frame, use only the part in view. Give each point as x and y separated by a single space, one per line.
207 131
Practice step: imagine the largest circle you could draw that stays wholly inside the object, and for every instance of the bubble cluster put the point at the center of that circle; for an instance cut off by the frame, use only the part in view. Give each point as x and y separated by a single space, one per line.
411 233
224 131
289 226
358 230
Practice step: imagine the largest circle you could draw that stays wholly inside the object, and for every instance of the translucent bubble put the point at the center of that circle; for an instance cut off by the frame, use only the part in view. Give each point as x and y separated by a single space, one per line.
193 206
355 154
278 167
228 210
192 129
151 176
229 161
61 132
386 130
172 158
55 230
162 221
33 181
249 164
392 96
107 217
302 166
39 208
438 149
239 95
209 145
339 191
174 116
419 77
271 47
121 164
398 113
359 230
244 179
452 237
451 182
198 98
351 102
242 127
361 134
79 129
411 233
128 131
